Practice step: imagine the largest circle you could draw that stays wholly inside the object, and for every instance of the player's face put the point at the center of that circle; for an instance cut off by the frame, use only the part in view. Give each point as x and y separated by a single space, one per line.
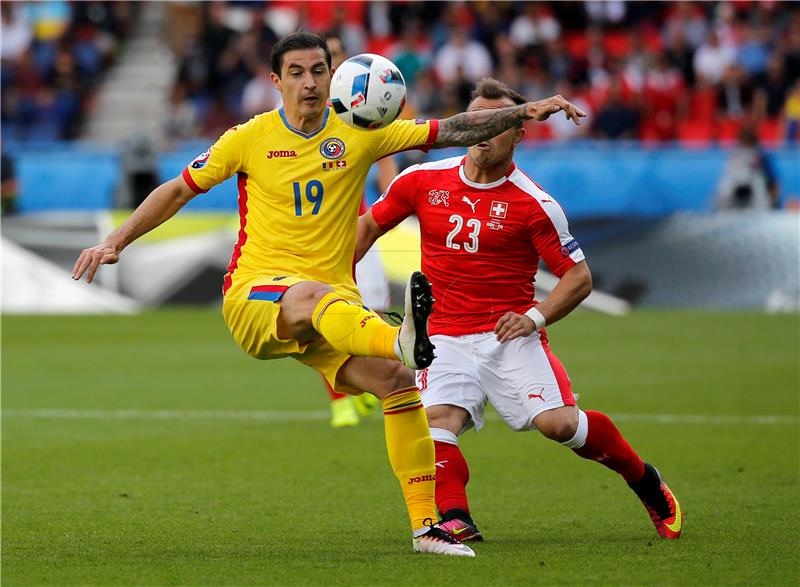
491 152
304 82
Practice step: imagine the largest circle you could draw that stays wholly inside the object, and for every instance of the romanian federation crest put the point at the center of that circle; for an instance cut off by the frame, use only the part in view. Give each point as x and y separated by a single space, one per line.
332 148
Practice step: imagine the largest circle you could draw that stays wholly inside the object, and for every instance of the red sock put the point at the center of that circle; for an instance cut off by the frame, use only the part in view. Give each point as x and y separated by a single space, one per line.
606 445
334 395
452 476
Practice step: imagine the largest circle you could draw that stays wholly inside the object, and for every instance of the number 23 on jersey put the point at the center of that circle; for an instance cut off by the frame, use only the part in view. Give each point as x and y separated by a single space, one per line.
470 243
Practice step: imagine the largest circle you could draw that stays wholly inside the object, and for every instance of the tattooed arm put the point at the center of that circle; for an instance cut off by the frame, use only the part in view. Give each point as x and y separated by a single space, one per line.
470 128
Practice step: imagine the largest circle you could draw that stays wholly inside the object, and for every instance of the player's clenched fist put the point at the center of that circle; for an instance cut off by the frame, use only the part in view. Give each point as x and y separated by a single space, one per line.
542 109
512 325
90 259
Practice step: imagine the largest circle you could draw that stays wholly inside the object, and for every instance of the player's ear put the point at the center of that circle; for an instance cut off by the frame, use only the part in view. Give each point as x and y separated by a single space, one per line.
276 80
519 136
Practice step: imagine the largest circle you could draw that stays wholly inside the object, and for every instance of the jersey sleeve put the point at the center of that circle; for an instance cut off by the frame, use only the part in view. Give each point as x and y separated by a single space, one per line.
397 202
551 238
403 135
222 160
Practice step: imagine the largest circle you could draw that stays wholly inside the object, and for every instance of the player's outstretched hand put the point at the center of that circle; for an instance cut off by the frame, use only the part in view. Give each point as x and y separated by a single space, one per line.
90 259
512 325
542 109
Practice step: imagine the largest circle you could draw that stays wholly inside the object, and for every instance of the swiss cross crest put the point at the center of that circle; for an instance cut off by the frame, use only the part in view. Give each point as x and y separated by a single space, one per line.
498 209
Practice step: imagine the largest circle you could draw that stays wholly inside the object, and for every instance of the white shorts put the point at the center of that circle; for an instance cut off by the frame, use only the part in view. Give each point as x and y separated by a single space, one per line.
371 281
521 378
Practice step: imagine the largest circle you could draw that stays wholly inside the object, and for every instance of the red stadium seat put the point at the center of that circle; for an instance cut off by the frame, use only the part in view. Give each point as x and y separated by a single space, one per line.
617 44
728 130
696 133
577 44
703 103
769 132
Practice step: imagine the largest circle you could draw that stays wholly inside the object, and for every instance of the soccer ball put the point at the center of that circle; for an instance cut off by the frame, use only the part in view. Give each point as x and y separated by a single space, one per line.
368 91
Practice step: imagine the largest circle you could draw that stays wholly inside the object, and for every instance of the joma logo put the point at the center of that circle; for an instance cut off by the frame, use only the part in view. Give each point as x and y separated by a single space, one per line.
272 154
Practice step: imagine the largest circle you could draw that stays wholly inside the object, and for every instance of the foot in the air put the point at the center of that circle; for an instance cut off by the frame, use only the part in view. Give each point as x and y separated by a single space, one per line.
416 348
437 541
660 503
460 526
343 412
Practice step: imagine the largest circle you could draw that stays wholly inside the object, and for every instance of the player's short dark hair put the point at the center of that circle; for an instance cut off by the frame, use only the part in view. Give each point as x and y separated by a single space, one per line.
492 89
293 42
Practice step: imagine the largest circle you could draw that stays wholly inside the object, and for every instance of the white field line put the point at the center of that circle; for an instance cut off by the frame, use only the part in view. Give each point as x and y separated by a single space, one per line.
280 416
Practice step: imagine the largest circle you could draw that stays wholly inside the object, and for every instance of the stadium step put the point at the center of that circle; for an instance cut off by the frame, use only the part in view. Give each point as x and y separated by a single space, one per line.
133 99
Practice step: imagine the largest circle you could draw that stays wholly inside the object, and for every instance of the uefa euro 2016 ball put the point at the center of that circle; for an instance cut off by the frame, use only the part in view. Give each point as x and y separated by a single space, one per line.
368 91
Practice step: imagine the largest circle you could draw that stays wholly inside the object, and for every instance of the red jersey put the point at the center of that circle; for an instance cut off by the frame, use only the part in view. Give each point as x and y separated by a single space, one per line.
481 243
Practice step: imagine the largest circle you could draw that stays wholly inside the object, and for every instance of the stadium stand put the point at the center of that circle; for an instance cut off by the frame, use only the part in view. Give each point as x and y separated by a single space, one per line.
54 54
708 67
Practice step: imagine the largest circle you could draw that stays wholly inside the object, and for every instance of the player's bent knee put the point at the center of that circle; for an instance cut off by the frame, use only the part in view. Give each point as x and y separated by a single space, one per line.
559 424
447 417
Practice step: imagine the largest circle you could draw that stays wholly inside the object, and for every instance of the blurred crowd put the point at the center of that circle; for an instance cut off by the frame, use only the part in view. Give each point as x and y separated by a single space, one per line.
657 71
54 54
660 71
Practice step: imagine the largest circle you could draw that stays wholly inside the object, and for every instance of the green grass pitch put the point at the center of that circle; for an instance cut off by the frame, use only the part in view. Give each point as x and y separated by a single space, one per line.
161 461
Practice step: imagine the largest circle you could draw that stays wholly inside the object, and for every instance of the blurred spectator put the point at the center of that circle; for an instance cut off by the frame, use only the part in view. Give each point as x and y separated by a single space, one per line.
617 119
15 33
608 11
681 54
351 35
687 21
462 54
182 117
792 113
562 129
8 187
735 93
753 53
139 167
218 118
49 19
535 26
748 181
426 98
771 88
713 58
411 54
663 97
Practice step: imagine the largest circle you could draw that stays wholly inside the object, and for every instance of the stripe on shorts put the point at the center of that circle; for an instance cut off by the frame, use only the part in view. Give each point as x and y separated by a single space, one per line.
268 293
564 384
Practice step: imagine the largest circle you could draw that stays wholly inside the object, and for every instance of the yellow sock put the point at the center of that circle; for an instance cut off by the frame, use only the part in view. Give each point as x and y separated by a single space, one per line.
353 330
411 453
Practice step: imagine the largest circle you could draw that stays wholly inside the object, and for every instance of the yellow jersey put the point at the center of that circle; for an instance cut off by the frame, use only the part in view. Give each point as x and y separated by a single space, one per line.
299 193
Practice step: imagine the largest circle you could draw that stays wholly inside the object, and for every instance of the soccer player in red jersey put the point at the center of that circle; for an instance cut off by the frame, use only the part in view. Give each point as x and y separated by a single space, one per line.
484 226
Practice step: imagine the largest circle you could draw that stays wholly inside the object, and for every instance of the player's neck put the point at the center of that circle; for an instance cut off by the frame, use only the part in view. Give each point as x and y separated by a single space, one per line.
487 174
307 125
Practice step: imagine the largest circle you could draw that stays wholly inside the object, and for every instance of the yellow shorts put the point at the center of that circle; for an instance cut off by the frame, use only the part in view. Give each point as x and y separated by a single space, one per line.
250 308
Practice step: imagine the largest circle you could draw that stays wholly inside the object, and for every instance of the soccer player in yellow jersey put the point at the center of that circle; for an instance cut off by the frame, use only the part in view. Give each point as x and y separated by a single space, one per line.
289 290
